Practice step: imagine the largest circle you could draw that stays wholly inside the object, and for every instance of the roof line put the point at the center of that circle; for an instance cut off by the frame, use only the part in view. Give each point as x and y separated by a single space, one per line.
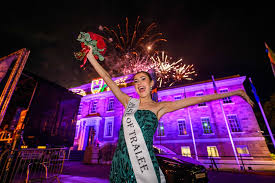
200 82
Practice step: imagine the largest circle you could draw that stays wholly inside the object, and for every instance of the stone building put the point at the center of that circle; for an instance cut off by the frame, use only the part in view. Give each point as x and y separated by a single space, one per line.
224 131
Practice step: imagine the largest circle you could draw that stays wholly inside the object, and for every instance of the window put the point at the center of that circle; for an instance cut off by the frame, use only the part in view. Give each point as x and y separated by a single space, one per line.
242 150
109 123
93 107
200 94
225 100
212 151
234 123
160 129
110 104
178 97
182 127
185 151
206 125
79 109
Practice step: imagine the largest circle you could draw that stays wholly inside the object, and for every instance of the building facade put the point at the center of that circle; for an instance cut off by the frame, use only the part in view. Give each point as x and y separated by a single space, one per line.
225 131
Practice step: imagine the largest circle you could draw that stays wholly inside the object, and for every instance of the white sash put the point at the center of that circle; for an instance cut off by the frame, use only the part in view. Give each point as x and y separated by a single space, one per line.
140 158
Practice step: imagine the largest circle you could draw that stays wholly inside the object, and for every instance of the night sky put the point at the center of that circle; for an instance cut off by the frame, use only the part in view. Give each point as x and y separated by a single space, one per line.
218 41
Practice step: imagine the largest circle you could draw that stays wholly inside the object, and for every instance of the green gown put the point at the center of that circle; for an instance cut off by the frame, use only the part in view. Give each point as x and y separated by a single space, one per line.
121 169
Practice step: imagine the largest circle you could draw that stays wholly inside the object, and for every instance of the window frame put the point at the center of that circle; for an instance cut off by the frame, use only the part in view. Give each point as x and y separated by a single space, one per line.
158 129
226 99
209 123
243 155
184 122
176 97
235 122
79 112
108 104
92 106
188 154
200 104
107 120
216 151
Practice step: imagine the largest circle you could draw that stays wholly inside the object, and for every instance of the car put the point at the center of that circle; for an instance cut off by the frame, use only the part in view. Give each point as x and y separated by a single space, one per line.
178 169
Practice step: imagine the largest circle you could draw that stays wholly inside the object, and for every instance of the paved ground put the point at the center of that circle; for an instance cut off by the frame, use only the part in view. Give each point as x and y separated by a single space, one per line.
78 172
77 179
230 177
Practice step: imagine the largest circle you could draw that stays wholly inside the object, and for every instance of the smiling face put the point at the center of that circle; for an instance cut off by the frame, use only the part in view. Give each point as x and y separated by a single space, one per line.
143 84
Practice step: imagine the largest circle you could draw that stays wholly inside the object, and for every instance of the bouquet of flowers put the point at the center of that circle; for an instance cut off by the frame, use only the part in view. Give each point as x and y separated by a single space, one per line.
95 41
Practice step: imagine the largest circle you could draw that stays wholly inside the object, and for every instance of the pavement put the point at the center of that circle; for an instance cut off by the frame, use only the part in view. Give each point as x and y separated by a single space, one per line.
78 172
240 177
76 179
75 171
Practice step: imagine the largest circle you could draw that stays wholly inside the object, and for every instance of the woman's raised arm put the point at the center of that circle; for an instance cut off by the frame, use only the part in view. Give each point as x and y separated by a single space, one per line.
179 104
122 97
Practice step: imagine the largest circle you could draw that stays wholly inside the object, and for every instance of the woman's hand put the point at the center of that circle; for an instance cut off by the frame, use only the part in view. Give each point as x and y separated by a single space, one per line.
243 94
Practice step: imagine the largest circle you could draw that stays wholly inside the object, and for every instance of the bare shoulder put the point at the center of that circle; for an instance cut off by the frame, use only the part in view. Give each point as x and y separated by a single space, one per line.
161 108
163 104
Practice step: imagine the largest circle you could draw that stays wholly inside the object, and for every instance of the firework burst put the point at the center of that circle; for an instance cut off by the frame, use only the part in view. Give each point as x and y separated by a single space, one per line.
135 63
169 73
133 40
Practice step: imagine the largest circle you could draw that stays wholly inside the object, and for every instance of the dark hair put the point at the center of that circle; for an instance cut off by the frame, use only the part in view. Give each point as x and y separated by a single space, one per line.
144 72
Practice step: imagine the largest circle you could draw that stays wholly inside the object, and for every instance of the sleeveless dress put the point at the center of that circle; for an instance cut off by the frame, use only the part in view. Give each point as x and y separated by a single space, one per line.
121 169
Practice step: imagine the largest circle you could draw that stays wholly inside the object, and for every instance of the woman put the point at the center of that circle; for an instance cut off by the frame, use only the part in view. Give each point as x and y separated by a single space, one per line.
134 159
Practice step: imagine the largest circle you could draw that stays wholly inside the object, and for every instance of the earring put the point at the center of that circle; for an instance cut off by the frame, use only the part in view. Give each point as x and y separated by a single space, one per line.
151 88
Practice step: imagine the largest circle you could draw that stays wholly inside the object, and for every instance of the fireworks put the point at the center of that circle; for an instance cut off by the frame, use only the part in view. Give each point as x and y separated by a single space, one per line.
169 73
135 41
136 64
135 50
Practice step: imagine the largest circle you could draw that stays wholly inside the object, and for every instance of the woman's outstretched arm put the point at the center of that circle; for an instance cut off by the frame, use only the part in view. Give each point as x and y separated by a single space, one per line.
179 104
122 97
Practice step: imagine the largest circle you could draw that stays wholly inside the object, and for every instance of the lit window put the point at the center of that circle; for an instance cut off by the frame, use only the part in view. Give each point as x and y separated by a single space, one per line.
234 123
93 107
185 151
110 104
160 129
242 150
200 94
178 97
225 100
212 151
109 123
206 125
182 127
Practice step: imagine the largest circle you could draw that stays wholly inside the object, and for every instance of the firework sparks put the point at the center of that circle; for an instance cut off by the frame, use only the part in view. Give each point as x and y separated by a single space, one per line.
169 72
136 64
135 41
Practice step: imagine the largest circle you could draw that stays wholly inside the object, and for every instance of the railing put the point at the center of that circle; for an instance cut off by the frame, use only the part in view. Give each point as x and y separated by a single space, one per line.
28 165
245 162
5 137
